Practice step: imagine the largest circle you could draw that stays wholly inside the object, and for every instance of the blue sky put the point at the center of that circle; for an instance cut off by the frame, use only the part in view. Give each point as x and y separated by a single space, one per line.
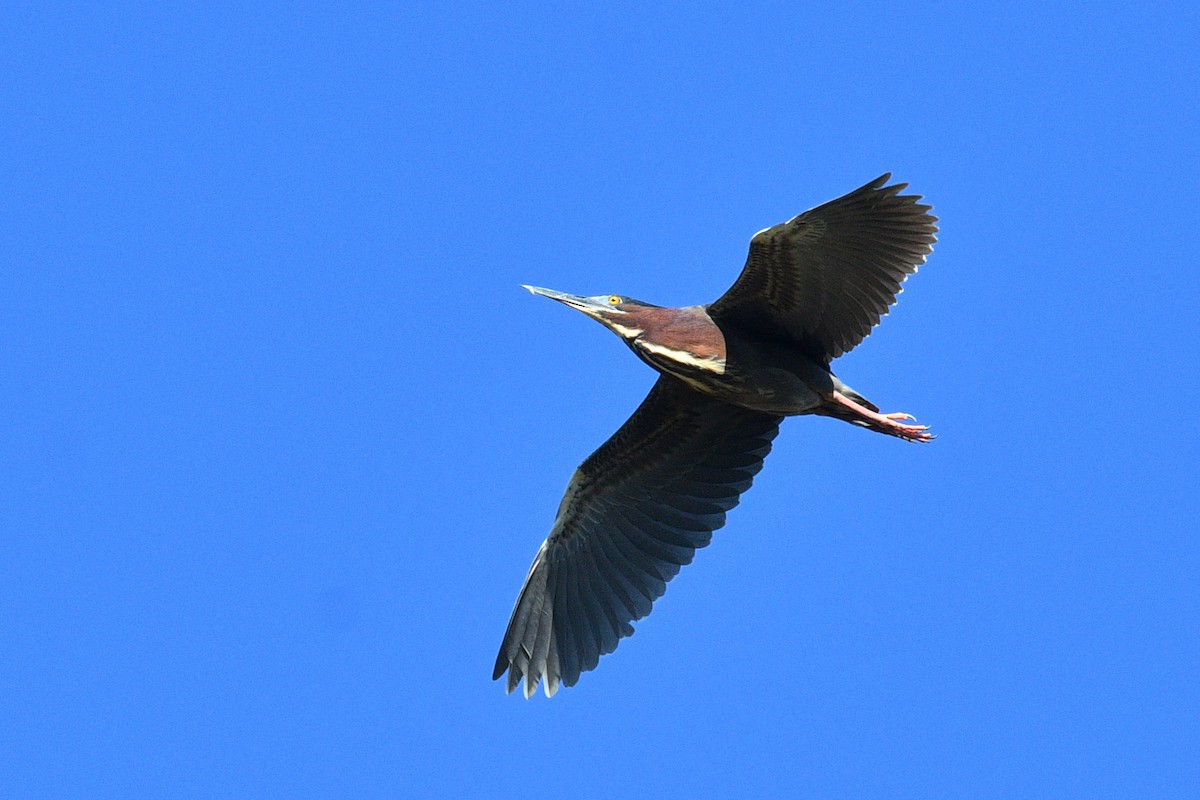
281 432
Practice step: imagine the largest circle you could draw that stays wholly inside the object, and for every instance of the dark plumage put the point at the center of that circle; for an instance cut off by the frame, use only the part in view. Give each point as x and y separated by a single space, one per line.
638 508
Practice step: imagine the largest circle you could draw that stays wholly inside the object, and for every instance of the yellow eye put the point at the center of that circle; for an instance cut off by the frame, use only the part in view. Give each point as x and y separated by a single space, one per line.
613 300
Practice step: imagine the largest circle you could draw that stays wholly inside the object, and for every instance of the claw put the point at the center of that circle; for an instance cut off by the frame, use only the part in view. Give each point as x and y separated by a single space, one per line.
913 433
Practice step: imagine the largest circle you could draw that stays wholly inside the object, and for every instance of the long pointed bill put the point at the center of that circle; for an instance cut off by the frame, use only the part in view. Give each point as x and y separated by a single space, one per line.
588 305
599 308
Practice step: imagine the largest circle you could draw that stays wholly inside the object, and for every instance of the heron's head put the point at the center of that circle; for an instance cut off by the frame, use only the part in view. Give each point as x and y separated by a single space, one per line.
624 316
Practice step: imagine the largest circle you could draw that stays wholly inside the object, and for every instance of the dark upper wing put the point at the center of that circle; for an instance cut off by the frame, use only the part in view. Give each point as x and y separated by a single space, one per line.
823 279
634 512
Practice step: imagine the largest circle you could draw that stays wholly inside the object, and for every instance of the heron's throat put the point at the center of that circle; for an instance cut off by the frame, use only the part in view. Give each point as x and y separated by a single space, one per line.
681 361
626 332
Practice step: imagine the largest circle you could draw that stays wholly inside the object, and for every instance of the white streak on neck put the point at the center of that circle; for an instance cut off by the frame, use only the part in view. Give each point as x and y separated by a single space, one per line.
623 330
710 363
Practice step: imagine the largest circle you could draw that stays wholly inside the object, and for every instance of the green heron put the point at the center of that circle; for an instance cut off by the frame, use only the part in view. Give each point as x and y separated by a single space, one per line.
637 509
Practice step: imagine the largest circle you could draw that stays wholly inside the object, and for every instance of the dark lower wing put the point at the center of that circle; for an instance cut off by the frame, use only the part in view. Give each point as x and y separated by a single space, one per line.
634 512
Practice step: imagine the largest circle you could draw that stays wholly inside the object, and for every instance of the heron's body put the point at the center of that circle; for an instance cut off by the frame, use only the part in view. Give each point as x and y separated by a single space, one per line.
638 508
738 367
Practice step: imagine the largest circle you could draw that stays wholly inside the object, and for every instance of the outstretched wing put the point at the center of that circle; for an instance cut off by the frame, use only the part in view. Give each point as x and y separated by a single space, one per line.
823 279
634 512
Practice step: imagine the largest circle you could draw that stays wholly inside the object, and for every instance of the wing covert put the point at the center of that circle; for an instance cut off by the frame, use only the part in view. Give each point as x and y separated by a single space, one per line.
634 512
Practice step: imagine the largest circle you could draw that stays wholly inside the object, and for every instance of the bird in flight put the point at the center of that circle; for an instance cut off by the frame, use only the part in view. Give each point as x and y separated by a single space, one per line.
637 509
